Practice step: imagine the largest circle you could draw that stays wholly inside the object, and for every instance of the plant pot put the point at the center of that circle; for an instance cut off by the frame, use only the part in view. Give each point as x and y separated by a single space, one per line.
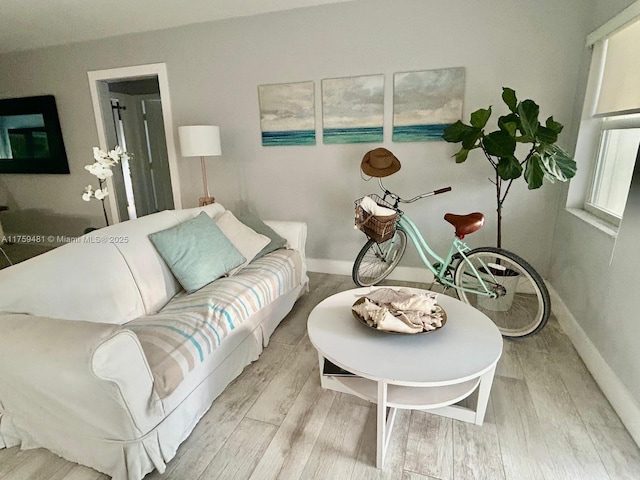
509 280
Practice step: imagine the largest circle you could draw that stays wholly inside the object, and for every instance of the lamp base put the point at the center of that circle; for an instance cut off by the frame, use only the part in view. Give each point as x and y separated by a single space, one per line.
202 201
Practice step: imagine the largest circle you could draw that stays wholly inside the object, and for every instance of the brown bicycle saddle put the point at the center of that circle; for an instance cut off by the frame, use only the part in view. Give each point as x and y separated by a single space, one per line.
465 224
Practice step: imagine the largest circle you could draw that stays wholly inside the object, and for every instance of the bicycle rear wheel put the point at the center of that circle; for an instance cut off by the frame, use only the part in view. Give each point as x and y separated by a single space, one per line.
376 261
522 306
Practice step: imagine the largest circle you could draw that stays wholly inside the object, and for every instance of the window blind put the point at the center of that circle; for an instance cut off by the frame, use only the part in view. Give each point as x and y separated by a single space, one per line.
620 87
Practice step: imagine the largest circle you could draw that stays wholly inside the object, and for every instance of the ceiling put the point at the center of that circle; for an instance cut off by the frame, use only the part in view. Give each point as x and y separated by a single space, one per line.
28 24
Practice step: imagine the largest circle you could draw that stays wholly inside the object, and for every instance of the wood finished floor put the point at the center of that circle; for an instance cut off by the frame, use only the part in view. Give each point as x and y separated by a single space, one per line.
547 420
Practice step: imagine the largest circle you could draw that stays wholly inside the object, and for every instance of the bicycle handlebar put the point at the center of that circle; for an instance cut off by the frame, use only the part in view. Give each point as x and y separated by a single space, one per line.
398 199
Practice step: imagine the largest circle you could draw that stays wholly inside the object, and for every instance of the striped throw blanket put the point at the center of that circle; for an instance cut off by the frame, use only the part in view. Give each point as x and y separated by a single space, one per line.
190 327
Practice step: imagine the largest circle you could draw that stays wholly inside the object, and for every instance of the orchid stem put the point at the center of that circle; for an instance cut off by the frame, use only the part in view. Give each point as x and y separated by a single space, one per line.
104 209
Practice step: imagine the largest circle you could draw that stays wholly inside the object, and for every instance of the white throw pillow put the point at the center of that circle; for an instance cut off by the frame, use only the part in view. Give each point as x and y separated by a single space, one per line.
245 239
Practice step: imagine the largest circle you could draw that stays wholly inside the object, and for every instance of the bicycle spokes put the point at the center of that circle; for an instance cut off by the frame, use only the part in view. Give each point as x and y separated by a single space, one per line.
376 260
505 288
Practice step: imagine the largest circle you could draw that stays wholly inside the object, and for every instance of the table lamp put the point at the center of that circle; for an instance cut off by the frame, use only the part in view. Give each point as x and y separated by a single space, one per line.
200 141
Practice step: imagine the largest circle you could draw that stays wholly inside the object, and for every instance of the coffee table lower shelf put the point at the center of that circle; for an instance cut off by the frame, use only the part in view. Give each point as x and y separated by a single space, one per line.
412 398
436 399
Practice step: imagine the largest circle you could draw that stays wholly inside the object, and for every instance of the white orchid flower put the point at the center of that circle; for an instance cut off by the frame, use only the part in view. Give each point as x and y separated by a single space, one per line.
88 193
98 154
105 173
99 170
107 161
114 155
101 193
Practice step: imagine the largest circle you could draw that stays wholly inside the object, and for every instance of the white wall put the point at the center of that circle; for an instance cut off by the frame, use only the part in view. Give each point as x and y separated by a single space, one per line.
214 70
603 10
596 275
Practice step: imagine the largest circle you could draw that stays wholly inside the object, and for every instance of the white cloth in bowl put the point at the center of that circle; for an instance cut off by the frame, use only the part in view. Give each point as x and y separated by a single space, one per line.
400 311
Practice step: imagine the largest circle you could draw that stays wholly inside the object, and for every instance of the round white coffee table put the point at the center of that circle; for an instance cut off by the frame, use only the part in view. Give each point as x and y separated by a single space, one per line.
429 371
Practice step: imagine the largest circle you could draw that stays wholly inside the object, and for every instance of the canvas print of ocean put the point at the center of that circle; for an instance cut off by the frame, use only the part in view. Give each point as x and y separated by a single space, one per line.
353 109
287 114
426 102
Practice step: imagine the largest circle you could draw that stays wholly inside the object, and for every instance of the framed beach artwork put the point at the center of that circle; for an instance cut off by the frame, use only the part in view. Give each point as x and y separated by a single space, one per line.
352 109
287 114
426 102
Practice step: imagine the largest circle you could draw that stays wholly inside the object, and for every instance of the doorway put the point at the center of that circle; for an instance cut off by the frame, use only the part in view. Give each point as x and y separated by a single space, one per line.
132 110
143 184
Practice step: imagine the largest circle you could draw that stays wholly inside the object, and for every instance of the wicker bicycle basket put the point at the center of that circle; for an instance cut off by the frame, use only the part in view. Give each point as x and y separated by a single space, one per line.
378 228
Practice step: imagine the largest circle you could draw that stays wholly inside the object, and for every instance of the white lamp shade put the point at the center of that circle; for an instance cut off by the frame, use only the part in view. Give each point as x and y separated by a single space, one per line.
199 141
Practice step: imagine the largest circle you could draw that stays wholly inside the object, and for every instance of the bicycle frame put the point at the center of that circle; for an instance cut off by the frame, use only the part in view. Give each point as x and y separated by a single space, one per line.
457 246
496 281
425 251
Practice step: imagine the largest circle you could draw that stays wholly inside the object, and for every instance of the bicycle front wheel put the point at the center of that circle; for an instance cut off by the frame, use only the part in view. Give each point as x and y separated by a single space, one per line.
522 306
376 261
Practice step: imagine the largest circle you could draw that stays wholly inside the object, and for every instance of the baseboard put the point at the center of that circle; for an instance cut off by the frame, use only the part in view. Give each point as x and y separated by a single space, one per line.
342 267
618 395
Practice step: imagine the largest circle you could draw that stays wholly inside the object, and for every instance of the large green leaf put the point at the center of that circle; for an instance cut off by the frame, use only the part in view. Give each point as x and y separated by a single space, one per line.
456 132
509 97
509 123
509 168
557 163
565 162
462 155
553 125
547 135
528 111
499 144
533 172
471 140
480 117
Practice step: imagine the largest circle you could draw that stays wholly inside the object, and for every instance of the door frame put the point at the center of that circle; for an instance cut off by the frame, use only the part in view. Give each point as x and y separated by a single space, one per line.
96 77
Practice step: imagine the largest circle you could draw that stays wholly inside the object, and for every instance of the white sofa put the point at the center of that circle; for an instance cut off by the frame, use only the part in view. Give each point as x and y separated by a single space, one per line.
74 374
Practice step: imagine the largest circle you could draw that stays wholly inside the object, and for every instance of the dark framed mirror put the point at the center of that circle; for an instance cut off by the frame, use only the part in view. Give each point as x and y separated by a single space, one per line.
30 136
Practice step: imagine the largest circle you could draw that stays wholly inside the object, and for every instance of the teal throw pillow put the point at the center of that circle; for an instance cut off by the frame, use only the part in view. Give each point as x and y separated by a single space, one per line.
196 251
254 223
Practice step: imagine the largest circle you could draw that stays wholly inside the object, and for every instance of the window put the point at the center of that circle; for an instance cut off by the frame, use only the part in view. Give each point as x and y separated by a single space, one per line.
609 136
616 156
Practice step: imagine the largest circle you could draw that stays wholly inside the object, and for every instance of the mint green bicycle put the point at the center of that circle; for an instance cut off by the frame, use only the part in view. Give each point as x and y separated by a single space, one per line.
495 281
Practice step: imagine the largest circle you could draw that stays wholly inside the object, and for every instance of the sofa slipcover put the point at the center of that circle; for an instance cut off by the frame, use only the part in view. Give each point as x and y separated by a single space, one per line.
74 376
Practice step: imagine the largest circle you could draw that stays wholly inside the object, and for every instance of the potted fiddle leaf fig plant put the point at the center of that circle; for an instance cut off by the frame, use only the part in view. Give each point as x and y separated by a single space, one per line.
520 147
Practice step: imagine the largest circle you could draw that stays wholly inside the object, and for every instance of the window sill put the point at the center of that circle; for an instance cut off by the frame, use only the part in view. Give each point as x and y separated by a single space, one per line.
606 228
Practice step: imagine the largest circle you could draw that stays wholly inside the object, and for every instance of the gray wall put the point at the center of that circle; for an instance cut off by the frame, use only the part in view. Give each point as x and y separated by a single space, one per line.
214 69
596 275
